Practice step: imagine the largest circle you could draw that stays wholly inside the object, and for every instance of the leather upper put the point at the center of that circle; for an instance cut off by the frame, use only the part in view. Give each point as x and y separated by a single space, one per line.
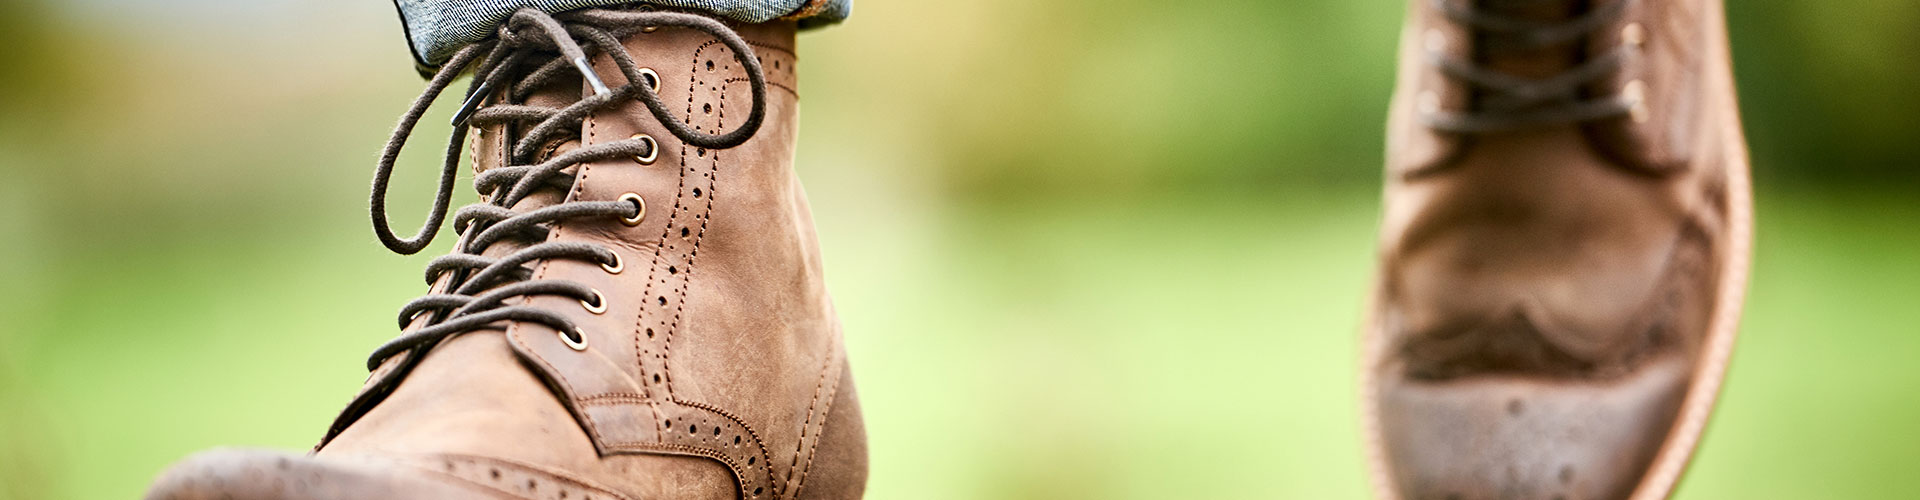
1666 131
1554 223
1555 303
716 369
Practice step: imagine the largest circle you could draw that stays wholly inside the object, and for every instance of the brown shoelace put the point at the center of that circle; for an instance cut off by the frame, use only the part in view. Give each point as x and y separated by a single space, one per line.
532 50
1508 102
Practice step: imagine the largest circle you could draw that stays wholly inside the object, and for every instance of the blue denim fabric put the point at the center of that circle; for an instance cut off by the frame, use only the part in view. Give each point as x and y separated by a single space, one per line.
438 28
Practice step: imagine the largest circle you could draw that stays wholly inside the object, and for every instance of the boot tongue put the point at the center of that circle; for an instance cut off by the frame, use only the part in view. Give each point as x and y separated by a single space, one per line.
490 151
1510 53
559 94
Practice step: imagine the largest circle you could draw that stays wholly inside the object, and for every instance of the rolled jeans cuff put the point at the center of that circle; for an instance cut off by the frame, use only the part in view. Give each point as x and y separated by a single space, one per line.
436 29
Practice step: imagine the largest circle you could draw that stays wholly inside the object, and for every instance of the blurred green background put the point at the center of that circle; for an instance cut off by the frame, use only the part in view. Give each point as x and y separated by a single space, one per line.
1060 233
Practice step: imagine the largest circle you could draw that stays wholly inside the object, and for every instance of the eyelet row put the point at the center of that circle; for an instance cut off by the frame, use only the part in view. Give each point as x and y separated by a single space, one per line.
598 305
1632 35
1635 36
652 80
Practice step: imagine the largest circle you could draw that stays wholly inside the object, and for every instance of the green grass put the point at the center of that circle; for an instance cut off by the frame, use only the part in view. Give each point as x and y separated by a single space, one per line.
1111 249
1132 346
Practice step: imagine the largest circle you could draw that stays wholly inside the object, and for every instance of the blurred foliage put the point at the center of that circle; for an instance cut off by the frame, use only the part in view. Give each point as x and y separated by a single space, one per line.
1062 234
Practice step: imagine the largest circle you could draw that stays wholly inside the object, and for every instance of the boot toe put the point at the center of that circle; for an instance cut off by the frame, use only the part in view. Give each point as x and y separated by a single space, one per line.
238 474
1495 438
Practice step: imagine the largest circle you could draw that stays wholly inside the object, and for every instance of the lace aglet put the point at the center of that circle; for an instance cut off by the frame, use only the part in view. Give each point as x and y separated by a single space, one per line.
593 79
473 103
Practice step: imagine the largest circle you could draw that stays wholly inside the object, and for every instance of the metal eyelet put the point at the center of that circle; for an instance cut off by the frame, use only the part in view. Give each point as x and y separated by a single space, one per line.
638 215
577 345
598 305
652 78
614 267
1635 92
1429 102
1633 34
653 149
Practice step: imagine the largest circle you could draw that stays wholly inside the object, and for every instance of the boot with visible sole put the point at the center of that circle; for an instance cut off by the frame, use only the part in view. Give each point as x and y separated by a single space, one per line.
1564 249
633 310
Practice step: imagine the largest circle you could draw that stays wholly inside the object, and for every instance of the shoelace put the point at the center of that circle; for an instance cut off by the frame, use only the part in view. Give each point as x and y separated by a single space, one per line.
1509 102
478 286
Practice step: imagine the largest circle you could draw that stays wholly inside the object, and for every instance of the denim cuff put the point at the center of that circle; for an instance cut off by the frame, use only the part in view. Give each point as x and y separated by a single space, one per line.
437 28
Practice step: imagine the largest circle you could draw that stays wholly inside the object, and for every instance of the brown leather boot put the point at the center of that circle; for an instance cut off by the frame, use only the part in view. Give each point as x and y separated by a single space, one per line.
1563 253
634 310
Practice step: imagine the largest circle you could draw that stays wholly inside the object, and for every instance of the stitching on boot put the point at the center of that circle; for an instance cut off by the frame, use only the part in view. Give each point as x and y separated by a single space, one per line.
796 473
565 480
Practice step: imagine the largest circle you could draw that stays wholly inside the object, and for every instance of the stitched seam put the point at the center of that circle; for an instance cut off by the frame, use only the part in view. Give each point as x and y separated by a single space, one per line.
770 83
673 214
720 124
579 185
758 442
680 206
693 253
796 475
694 451
470 483
793 61
666 361
658 447
514 329
556 476
614 399
776 48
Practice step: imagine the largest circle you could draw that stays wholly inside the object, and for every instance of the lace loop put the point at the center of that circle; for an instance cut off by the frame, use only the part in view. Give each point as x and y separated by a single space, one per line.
383 170
477 286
